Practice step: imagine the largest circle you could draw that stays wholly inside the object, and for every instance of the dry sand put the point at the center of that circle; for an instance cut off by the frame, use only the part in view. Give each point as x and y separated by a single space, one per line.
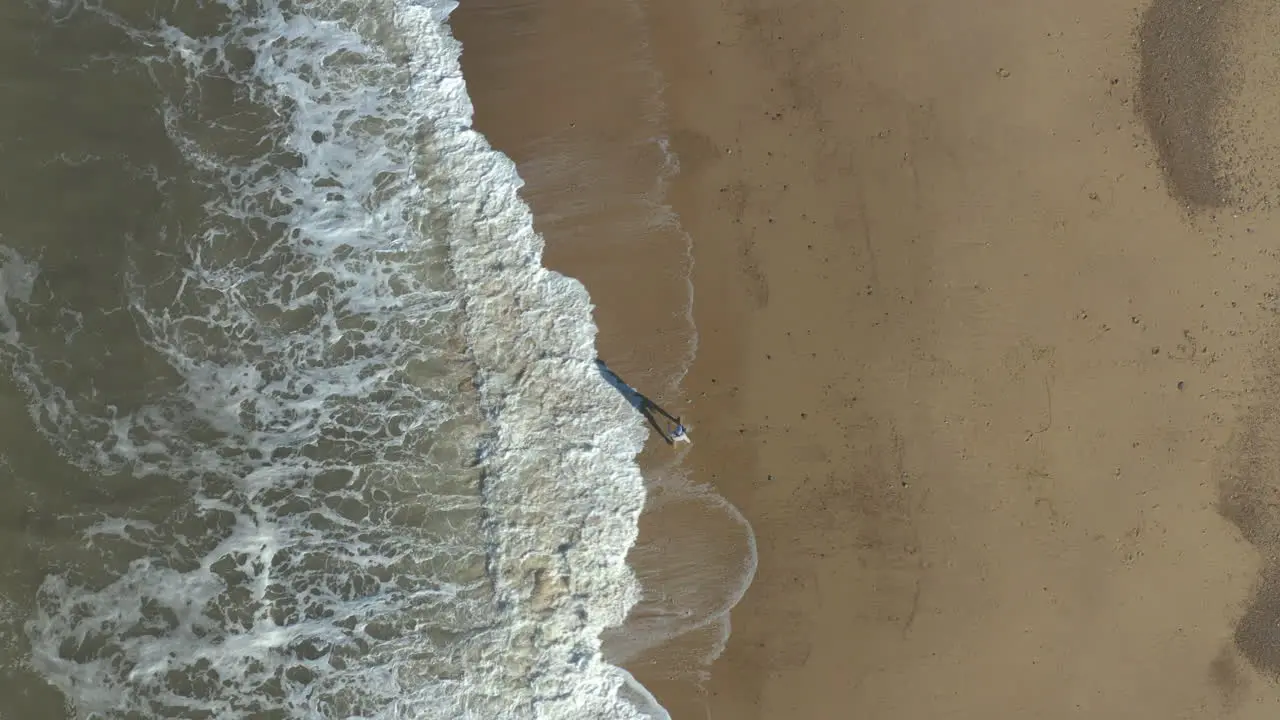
985 296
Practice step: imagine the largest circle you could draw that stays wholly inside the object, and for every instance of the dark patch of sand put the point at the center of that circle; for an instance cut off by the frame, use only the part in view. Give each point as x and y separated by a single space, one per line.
1180 90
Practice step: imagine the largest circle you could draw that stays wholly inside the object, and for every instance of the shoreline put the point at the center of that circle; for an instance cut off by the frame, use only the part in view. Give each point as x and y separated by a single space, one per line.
589 142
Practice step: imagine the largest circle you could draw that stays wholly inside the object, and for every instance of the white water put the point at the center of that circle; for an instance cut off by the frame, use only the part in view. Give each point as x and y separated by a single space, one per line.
378 473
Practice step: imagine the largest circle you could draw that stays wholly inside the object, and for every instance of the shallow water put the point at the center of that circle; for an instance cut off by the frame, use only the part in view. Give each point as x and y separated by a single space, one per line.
571 91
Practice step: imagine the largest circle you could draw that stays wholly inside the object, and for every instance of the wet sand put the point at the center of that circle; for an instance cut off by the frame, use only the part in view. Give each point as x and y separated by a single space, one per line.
571 92
986 301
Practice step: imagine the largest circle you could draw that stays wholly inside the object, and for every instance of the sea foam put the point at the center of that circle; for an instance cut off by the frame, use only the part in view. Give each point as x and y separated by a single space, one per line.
382 476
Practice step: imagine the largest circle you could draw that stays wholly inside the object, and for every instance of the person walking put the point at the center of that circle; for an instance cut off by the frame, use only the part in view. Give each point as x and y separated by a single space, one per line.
680 434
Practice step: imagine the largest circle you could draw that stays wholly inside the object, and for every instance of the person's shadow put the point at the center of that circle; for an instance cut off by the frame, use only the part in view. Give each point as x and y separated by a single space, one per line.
646 406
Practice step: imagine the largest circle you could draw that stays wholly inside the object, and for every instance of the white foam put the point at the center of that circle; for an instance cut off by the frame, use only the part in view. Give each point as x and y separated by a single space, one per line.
391 481
554 419
17 278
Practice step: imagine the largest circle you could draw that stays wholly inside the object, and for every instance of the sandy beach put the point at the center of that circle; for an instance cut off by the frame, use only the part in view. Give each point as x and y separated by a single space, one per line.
985 300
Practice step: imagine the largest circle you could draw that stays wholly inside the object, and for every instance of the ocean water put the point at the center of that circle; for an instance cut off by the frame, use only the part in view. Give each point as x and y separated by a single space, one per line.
295 424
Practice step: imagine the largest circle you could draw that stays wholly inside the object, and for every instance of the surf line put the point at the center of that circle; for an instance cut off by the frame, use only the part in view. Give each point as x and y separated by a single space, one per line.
650 409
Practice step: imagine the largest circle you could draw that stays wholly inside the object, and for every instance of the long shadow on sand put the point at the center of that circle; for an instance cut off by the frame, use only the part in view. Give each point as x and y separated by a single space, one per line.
646 406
